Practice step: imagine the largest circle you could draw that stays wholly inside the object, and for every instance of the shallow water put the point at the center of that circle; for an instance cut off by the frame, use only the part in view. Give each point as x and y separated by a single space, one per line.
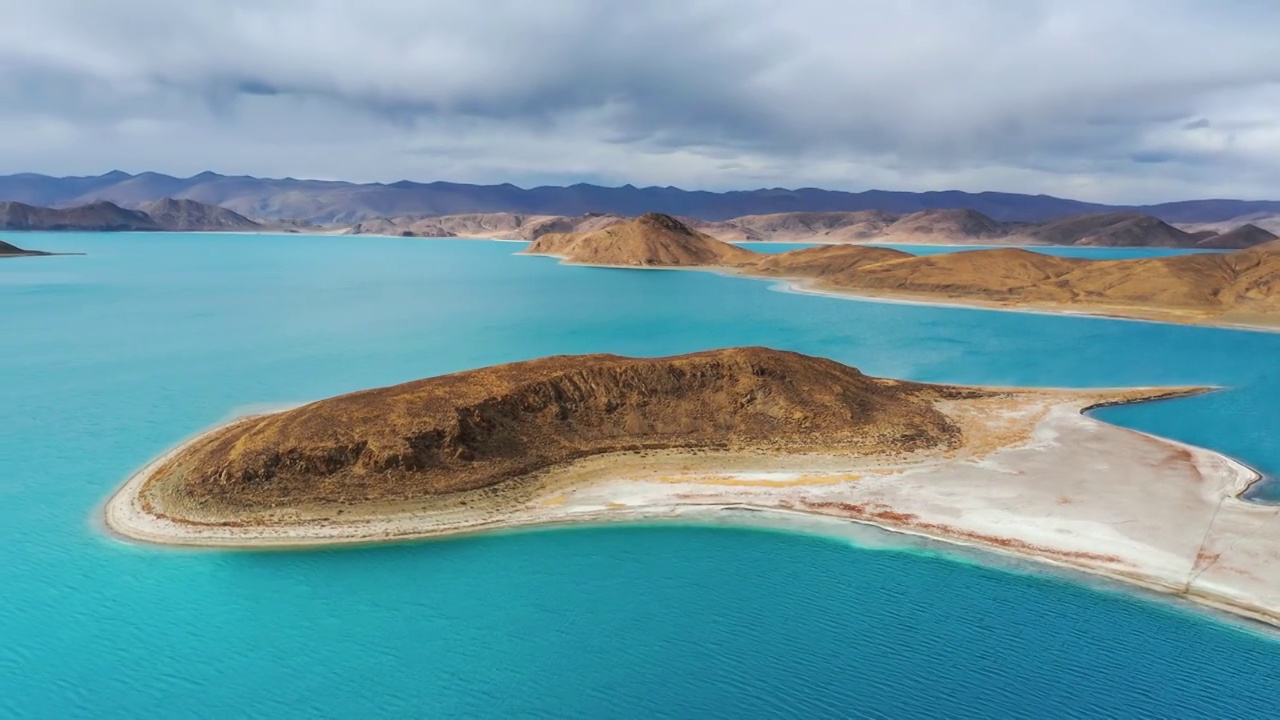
114 356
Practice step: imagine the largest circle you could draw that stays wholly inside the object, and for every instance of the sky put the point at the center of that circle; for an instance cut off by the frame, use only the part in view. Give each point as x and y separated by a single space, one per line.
1123 101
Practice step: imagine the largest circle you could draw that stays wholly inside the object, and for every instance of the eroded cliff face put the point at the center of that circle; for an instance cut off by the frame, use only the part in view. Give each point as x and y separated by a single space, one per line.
476 429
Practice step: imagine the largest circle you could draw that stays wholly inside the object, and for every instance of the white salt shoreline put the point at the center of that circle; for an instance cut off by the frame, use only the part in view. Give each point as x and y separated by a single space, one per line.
800 286
1080 494
805 286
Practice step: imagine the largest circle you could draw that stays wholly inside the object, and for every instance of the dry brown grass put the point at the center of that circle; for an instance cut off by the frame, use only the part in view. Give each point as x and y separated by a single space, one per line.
479 428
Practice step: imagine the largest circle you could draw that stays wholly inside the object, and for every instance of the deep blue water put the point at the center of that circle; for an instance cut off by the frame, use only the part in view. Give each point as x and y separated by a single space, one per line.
112 357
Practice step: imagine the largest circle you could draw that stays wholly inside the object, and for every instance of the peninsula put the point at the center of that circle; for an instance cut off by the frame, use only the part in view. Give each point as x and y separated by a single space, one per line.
745 435
1235 289
8 250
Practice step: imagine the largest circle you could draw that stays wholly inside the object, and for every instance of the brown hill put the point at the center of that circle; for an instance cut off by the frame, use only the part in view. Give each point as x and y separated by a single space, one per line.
1241 287
192 216
479 428
589 222
1110 230
824 261
94 217
999 272
652 240
799 226
1240 238
945 225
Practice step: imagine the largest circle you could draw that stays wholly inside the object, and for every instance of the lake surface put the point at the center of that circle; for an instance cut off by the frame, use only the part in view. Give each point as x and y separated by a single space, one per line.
110 358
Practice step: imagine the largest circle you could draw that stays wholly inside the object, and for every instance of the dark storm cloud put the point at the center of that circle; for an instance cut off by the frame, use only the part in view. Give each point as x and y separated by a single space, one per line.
1069 96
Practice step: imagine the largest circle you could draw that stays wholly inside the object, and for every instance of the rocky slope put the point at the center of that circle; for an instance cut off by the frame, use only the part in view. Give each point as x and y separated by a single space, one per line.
652 240
1107 230
479 428
167 214
1239 238
191 216
499 226
799 226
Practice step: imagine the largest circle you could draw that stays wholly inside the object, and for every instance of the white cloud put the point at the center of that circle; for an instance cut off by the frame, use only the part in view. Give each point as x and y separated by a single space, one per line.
1090 98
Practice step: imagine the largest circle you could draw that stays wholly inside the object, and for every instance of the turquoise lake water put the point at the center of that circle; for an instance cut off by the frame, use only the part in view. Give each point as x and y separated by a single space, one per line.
112 357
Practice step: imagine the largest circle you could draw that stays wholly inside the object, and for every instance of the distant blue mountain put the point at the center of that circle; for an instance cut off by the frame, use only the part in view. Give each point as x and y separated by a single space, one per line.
327 201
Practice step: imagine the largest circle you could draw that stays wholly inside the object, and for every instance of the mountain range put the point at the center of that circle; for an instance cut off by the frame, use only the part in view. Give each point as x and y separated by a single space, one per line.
1106 229
1110 229
334 202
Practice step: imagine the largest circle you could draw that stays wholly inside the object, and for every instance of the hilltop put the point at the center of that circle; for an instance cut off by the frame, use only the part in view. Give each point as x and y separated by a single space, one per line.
651 240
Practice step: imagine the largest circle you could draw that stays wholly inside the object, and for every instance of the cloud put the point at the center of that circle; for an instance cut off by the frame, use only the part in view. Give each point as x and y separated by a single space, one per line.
1121 100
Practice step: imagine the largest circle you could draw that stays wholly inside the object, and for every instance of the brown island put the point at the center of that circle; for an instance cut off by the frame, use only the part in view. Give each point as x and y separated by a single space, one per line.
1232 289
747 435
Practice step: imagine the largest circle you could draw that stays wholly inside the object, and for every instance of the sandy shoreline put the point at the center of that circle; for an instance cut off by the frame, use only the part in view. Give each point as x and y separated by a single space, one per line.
1072 492
802 286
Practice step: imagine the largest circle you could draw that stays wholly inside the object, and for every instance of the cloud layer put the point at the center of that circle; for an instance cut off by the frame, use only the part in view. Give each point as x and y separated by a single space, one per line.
1116 100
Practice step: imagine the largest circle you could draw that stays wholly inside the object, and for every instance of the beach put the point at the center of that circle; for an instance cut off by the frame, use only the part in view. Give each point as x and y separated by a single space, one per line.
1036 478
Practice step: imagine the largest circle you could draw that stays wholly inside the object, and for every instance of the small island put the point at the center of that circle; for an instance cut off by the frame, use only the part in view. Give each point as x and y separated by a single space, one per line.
742 435
8 250
1230 289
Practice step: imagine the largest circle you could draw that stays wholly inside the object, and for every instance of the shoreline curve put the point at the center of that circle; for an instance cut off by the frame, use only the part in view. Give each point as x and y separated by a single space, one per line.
1222 579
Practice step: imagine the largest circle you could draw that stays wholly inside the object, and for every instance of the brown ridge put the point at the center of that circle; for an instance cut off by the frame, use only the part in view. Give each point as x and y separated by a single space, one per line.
478 428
